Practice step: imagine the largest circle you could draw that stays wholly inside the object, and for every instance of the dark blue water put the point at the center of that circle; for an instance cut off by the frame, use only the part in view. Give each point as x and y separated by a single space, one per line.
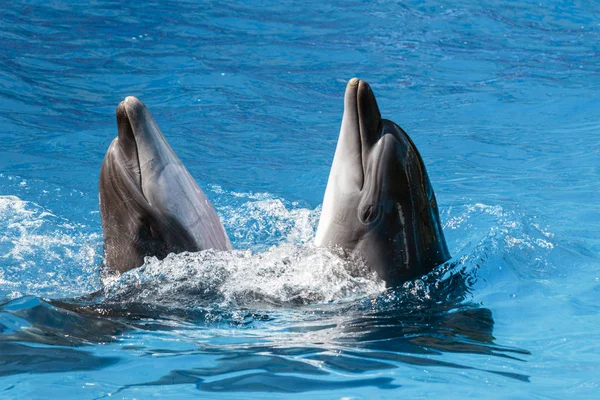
501 98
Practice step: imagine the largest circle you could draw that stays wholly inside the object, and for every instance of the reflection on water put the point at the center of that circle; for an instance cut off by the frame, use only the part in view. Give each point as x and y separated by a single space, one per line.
23 359
282 348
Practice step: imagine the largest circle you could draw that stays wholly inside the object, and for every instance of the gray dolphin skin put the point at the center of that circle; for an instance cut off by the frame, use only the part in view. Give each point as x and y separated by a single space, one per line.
149 203
379 204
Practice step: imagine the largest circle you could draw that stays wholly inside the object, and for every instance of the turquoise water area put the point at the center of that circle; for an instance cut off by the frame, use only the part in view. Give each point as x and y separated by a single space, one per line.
502 100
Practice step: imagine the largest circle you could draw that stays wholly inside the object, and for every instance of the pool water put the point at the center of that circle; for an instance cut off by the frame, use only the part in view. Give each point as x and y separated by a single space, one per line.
501 98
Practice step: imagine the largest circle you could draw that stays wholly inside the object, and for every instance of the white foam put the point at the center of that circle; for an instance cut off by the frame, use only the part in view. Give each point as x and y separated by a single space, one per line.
264 222
284 274
41 253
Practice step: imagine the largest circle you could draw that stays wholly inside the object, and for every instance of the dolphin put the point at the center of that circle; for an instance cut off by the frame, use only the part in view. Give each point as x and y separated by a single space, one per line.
379 204
149 203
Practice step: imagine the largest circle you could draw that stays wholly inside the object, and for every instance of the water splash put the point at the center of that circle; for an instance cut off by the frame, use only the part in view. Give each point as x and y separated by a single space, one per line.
41 253
44 254
285 274
484 235
259 221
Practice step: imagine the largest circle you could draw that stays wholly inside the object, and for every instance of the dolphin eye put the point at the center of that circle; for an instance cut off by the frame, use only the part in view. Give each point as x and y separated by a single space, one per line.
146 231
368 214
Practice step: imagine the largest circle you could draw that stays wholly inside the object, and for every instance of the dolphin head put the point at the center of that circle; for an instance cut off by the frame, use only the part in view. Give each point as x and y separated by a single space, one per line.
379 202
149 203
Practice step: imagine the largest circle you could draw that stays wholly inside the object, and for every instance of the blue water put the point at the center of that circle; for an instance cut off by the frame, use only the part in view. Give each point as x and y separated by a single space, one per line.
501 98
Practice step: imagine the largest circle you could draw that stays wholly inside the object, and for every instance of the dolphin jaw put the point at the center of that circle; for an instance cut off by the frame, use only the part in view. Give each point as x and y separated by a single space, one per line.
368 121
360 131
138 132
369 117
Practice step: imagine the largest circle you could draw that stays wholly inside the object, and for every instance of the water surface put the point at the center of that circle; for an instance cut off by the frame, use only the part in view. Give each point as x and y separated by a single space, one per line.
502 100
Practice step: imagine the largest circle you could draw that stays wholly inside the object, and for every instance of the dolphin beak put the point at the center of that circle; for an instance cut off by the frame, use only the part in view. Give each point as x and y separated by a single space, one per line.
369 117
124 126
361 122
141 140
127 142
132 116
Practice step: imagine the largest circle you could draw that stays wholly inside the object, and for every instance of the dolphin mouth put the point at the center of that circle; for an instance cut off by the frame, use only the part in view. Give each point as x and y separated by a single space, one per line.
145 148
127 138
369 117
362 108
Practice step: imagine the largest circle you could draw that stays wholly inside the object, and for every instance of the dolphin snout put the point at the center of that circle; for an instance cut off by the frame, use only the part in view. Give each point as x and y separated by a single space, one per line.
132 107
134 119
132 102
369 117
359 98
